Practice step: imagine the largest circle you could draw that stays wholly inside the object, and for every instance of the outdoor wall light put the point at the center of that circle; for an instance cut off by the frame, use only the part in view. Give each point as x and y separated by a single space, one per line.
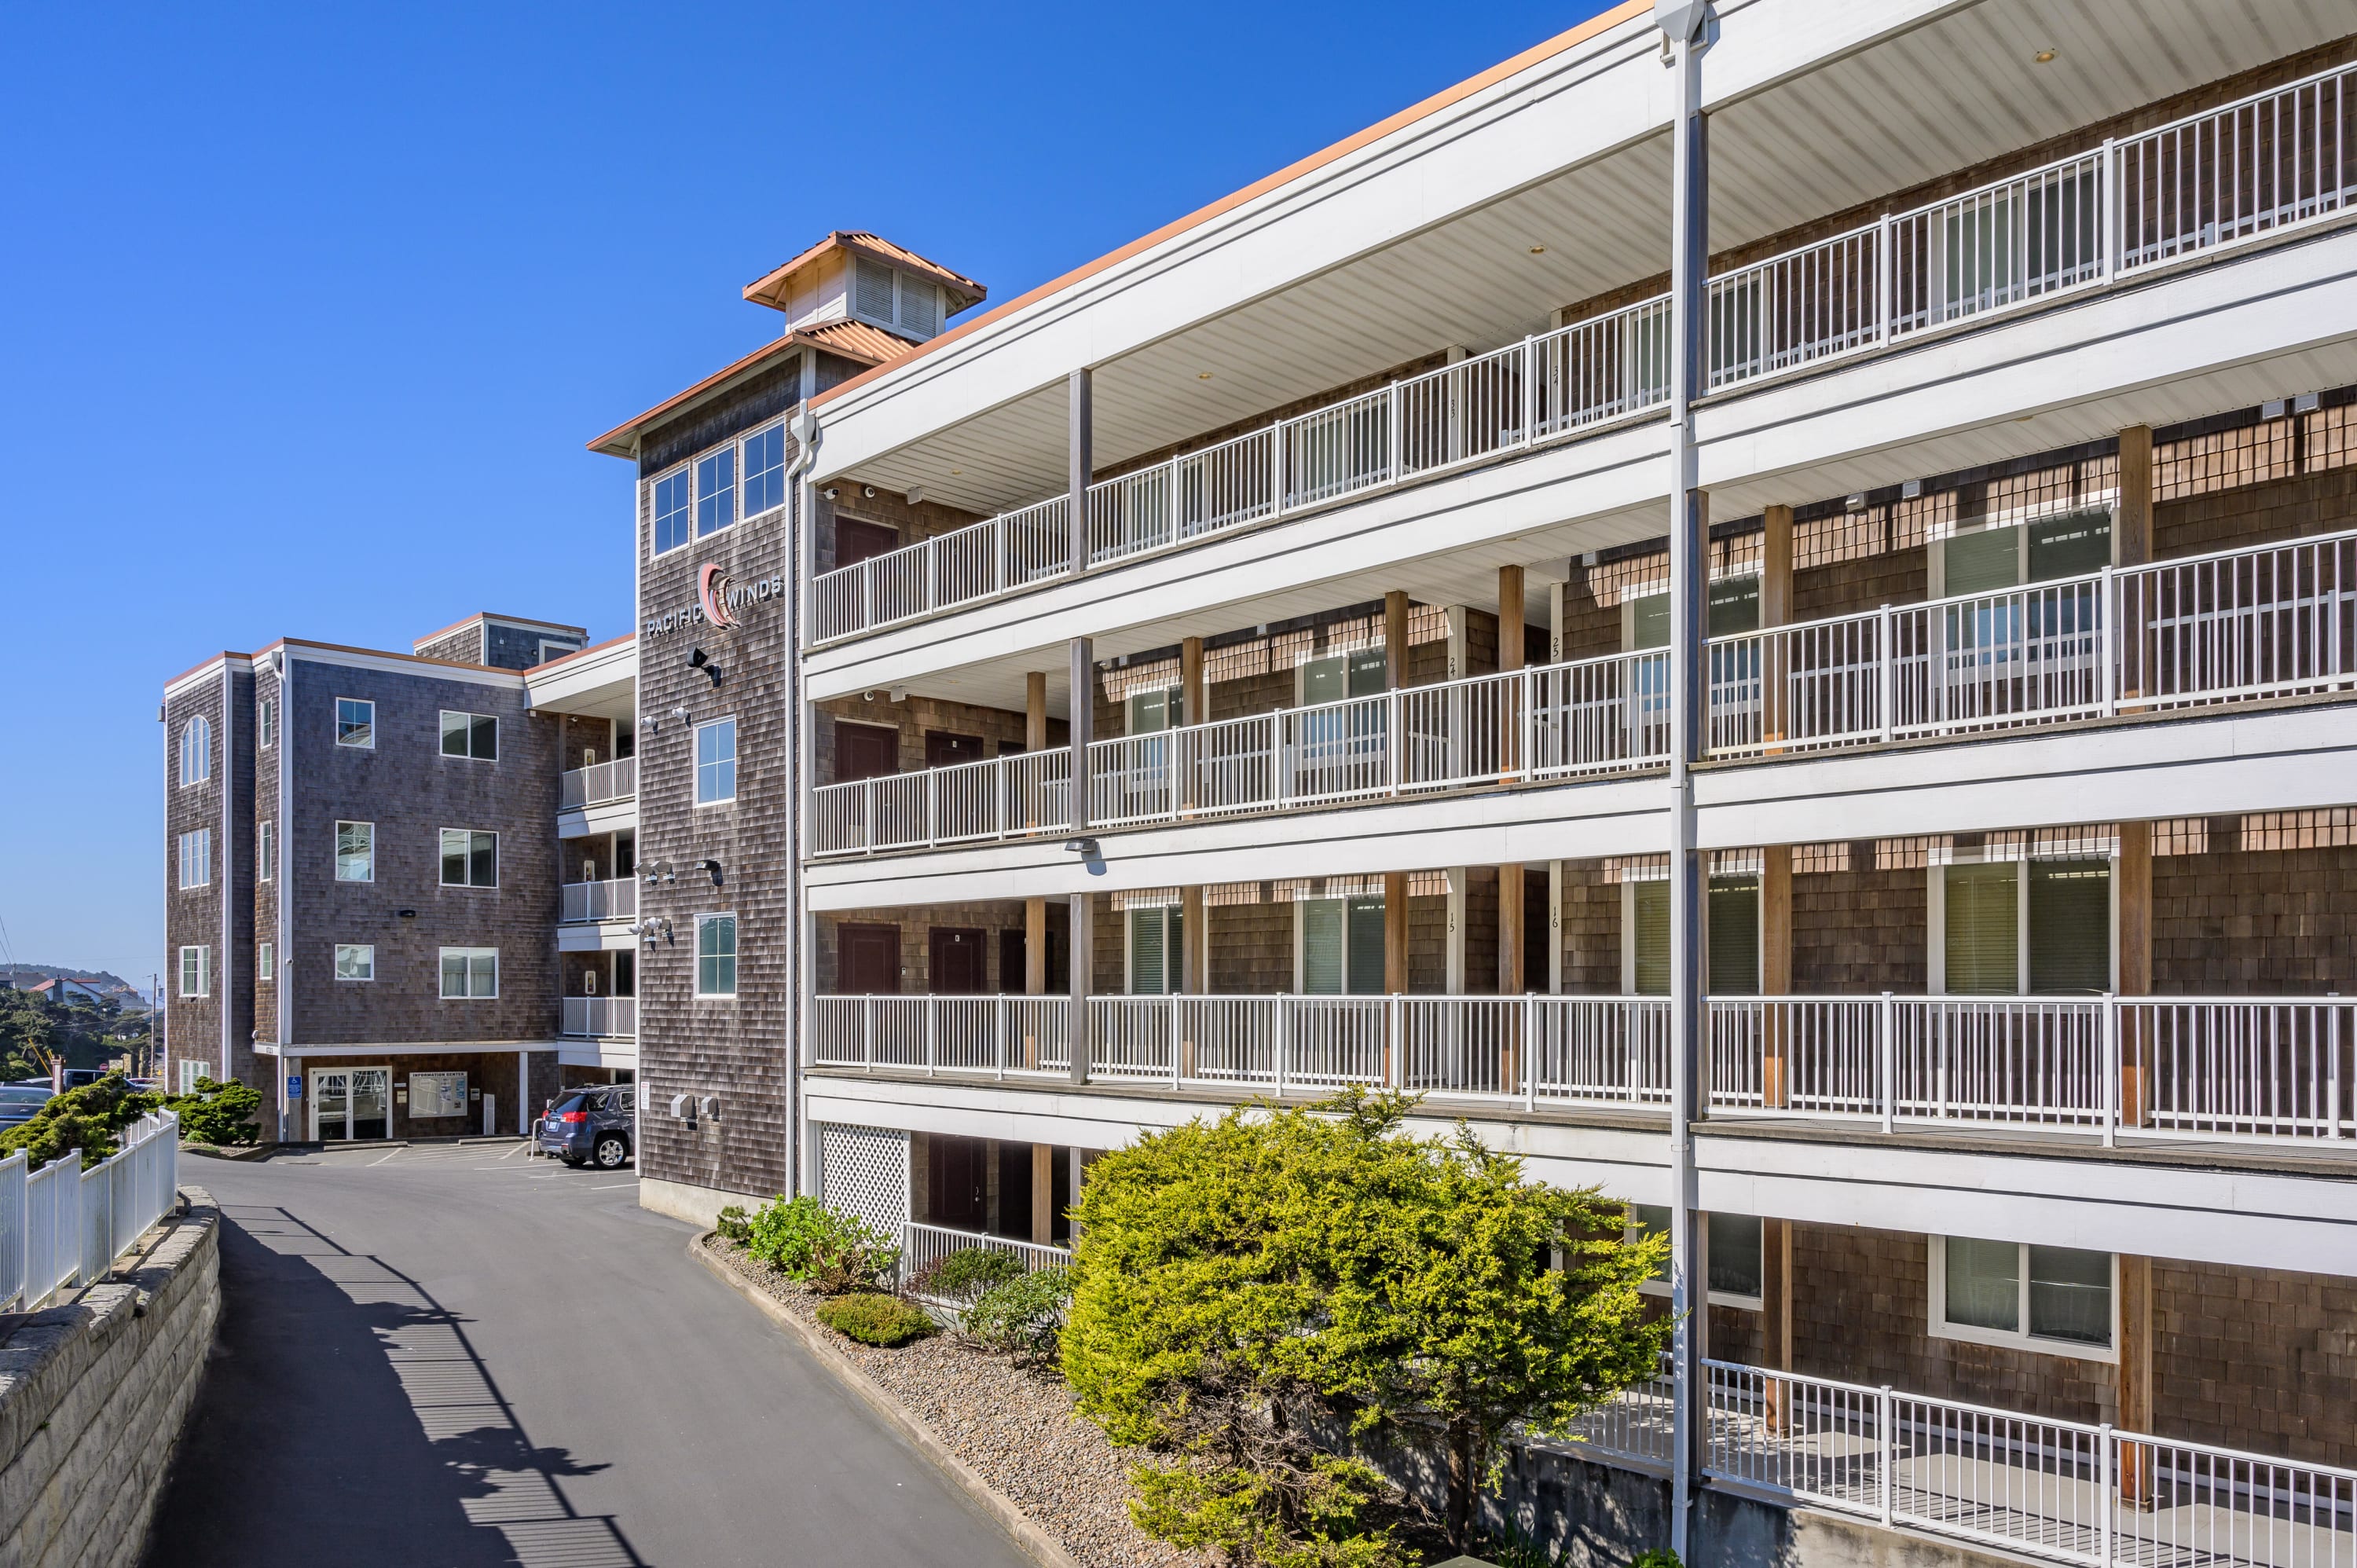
406 914
680 713
1085 848
828 492
867 490
711 867
699 660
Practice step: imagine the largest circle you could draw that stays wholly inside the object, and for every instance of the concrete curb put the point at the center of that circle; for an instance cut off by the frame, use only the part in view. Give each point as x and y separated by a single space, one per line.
1035 1542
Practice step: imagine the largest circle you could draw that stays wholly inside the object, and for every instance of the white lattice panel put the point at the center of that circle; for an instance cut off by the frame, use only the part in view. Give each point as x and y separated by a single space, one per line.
865 1171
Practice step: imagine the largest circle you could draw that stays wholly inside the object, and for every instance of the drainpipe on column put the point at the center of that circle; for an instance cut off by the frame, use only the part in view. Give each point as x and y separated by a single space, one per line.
1684 29
802 550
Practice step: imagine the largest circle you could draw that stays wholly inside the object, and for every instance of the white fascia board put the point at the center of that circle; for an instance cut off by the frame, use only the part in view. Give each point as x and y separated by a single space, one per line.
1580 106
2280 759
205 675
400 664
1599 478
2235 1217
613 817
2292 298
600 675
597 1053
595 936
1573 822
414 1048
1605 94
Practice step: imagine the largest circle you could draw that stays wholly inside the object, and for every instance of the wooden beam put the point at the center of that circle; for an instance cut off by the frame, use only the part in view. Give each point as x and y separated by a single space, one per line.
1043 1193
2134 518
2135 1371
1395 931
1035 711
1776 567
1511 935
2132 889
1193 707
1775 966
1510 618
1776 1312
1396 638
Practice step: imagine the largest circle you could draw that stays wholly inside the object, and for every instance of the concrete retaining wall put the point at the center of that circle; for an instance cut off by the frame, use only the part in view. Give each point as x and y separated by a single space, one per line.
93 1396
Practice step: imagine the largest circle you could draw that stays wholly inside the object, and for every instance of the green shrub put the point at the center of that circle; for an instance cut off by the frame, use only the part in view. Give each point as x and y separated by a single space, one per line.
966 1273
218 1113
733 1226
806 1240
874 1319
91 1119
1023 1316
1657 1557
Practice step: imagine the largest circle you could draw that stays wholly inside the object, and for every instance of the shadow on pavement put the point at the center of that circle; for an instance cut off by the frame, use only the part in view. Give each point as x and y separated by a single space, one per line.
344 1417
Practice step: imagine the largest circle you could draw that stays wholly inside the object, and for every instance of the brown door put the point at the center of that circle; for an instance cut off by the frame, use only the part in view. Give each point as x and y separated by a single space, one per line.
856 541
956 955
1012 962
954 1194
866 960
944 750
865 751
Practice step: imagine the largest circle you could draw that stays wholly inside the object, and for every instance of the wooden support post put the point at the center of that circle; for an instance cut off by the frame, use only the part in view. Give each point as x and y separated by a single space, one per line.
1510 713
2133 887
1035 711
1043 1193
2135 1415
1775 971
2132 521
1396 638
1775 609
1776 1313
1193 709
1512 975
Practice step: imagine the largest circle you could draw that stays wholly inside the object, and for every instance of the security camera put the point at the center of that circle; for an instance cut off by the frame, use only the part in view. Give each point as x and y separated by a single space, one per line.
828 492
867 490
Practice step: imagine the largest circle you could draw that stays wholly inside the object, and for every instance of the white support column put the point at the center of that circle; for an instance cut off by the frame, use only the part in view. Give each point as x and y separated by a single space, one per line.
1080 455
524 1094
1685 29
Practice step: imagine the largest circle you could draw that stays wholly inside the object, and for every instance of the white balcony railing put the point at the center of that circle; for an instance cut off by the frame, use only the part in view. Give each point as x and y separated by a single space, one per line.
1542 388
2243 1068
600 783
600 1017
615 900
2243 625
922 1246
2256 167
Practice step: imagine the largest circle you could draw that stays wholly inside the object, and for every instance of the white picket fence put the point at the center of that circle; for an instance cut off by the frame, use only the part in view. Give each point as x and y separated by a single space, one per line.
2269 163
62 1225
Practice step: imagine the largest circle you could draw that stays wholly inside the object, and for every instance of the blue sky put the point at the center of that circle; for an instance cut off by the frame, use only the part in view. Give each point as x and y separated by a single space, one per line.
309 310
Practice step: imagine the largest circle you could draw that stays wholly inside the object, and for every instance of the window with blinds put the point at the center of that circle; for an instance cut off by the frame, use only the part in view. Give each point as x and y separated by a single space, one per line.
2073 544
1982 955
2070 927
1156 953
1342 946
1733 606
1734 935
1151 713
1650 941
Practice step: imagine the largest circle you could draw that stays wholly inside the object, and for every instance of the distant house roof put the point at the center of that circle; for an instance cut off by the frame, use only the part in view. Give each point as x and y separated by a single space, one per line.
770 288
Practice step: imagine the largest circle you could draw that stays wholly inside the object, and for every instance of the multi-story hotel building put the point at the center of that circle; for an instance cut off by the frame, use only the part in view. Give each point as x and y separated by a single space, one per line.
397 886
1759 603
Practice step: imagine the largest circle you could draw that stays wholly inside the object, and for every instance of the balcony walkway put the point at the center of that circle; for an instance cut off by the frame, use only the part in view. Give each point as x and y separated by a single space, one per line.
2234 627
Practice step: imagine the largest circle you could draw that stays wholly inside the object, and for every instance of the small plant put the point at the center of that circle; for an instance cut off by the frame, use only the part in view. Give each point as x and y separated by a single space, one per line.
1657 1557
1515 1550
733 1225
832 1252
966 1273
874 1319
1022 1317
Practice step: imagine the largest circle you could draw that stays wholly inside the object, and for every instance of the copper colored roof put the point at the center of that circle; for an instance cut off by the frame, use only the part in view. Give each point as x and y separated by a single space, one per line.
770 287
855 340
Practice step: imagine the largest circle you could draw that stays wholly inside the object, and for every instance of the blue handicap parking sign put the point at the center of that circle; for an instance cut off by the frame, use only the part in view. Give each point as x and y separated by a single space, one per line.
294 1085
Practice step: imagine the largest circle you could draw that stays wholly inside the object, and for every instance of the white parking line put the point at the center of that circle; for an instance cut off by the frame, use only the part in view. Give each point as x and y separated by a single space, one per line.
615 1187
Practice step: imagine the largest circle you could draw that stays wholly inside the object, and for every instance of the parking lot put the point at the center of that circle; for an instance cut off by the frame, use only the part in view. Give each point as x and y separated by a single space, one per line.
458 1354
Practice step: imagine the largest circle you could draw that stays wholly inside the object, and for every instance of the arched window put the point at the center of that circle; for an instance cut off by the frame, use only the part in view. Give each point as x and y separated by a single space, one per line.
196 751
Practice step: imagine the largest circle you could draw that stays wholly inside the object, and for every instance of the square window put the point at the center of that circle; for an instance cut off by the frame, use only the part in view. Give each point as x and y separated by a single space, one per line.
671 510
355 960
265 850
716 955
1984 1284
356 851
765 470
715 491
716 762
469 859
471 974
475 735
355 722
196 972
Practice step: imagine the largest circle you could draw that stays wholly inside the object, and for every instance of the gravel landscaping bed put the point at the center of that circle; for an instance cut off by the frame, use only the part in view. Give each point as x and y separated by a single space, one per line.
1016 1428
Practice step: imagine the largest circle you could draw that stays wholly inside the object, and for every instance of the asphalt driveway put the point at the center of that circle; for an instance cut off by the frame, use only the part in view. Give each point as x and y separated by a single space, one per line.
454 1356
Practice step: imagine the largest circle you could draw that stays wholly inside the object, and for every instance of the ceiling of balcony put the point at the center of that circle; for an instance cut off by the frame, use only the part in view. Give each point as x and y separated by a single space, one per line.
1907 108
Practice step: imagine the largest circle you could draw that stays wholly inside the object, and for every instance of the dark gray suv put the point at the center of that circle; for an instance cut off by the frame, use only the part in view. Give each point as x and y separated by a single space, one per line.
591 1126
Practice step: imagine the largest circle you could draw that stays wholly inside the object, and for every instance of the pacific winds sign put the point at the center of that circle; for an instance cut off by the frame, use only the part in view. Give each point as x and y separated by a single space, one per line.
719 599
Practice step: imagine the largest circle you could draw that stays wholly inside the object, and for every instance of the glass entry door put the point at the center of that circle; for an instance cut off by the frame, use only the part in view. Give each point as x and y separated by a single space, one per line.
351 1102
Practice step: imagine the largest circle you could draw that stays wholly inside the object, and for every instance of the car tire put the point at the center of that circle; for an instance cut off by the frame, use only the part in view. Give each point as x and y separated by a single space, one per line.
612 1152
